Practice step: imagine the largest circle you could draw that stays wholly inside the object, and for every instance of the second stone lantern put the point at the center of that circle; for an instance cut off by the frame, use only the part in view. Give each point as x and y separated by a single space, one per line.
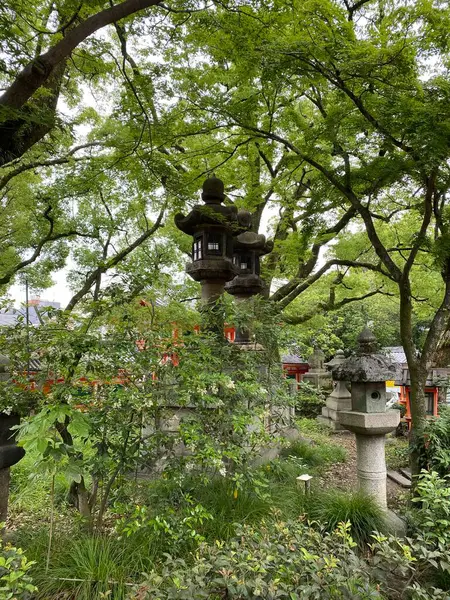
248 248
212 227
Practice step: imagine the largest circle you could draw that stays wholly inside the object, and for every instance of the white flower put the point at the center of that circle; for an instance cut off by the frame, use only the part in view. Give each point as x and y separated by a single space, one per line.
223 471
230 385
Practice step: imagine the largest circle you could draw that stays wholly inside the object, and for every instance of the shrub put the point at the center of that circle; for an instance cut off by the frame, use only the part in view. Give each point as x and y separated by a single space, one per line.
15 581
335 506
89 567
279 560
435 445
309 401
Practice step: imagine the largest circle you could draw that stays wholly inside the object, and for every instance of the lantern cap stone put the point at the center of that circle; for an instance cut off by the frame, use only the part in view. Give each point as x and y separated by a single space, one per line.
337 359
212 212
367 365
367 341
249 240
304 477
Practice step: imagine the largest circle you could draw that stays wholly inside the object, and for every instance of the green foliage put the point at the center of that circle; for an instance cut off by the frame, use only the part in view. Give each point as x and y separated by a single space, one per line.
435 444
316 455
176 531
309 401
316 449
281 560
15 580
419 567
88 567
432 522
397 453
361 511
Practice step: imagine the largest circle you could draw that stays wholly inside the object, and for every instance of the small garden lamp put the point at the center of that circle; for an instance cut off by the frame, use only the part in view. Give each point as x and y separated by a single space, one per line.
307 480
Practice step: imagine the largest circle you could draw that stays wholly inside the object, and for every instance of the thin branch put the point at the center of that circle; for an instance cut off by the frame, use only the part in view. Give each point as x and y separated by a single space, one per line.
112 262
48 163
323 307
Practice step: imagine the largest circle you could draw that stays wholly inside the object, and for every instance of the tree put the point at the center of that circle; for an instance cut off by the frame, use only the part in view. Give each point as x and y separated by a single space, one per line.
26 115
348 97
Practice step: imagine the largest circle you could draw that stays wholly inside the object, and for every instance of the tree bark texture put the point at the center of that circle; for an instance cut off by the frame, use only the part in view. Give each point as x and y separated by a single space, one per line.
5 476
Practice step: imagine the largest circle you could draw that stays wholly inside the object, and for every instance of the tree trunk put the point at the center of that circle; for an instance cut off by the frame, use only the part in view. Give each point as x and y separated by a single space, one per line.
418 376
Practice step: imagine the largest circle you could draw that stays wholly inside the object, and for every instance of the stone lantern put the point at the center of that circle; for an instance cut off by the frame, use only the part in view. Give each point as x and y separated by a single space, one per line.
212 226
248 248
368 371
338 400
318 376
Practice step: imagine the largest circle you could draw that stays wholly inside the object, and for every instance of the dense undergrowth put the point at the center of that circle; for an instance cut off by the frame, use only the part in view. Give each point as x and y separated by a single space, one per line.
256 535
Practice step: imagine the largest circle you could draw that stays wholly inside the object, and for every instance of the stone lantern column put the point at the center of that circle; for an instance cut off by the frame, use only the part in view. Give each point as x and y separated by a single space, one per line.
368 371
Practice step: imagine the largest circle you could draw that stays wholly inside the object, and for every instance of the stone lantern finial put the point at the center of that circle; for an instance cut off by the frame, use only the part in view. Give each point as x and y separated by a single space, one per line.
213 190
367 342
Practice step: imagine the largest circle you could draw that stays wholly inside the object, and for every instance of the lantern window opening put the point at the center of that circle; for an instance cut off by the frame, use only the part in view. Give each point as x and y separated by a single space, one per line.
197 248
214 244
246 263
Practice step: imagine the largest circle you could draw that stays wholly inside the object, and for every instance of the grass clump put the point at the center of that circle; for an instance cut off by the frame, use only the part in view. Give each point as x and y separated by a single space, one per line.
336 506
316 453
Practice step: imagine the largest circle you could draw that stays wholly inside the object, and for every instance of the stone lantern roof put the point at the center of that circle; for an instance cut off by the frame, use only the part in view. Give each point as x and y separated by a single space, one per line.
249 284
367 365
212 212
337 360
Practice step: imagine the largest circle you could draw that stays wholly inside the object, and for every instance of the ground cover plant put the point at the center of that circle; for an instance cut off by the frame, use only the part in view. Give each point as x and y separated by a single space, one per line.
146 520
203 537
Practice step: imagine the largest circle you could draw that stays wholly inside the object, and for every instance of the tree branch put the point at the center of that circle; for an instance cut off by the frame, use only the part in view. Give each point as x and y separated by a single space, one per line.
323 307
30 79
46 163
92 277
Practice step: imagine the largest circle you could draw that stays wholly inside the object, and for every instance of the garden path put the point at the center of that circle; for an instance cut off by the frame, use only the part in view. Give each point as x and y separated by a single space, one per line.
343 475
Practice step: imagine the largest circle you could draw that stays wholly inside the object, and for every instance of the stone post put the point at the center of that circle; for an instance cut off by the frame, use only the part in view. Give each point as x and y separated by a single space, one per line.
340 398
368 419
10 454
317 375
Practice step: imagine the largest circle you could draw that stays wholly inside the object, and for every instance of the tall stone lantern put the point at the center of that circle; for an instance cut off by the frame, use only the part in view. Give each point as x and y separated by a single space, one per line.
212 226
368 371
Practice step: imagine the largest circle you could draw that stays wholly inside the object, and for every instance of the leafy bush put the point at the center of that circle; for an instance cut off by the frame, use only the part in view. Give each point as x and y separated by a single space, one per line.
336 506
431 520
279 560
15 581
309 401
435 445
